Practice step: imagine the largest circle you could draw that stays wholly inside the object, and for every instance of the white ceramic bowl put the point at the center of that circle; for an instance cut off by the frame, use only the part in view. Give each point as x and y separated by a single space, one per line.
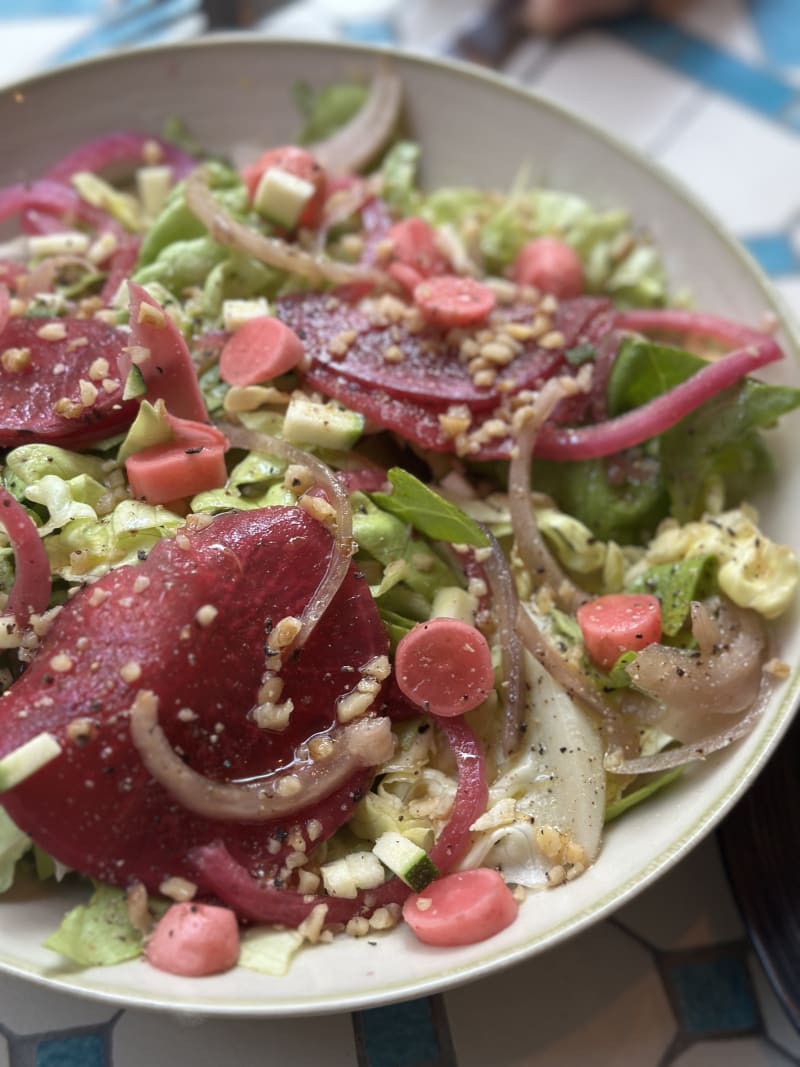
475 128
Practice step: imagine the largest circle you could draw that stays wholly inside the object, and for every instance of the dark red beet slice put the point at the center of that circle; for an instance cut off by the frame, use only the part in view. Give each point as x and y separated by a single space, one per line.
95 807
409 396
28 397
428 368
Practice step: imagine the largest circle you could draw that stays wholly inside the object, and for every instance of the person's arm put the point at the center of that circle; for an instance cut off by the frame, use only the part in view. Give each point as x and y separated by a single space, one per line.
557 16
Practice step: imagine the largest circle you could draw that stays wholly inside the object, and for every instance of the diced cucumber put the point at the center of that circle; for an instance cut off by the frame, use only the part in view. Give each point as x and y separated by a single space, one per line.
281 197
153 185
134 384
150 427
27 760
327 425
408 861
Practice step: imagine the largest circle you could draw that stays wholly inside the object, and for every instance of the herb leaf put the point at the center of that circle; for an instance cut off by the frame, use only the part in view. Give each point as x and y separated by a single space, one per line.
422 507
676 585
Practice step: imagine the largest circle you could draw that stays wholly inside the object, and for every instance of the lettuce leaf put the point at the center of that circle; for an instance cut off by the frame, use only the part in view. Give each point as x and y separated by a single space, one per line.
616 260
326 110
621 499
132 528
100 934
269 951
399 172
714 454
719 447
13 846
29 463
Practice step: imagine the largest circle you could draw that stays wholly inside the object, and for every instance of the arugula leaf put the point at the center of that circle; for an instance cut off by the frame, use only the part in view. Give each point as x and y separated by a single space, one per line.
582 353
644 370
417 504
621 499
719 443
618 677
676 585
716 446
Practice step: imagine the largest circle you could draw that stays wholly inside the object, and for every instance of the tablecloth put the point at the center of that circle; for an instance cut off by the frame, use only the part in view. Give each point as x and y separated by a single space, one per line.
712 90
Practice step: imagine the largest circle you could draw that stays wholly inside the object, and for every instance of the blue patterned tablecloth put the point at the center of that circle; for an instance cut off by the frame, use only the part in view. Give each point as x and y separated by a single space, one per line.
712 90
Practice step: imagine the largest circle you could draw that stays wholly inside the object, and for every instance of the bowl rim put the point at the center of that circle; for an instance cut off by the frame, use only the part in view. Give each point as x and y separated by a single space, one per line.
441 979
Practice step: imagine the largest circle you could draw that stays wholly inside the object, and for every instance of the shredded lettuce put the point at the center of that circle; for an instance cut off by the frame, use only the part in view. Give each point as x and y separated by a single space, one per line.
754 571
88 548
176 222
398 173
100 934
326 110
616 259
13 846
66 501
269 951
29 463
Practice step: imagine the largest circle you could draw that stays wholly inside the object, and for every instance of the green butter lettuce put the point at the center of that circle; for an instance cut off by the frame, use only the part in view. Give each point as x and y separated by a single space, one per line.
13 846
29 463
238 277
183 263
616 260
326 110
269 951
398 174
387 538
622 499
100 934
717 449
88 548
255 482
177 222
65 500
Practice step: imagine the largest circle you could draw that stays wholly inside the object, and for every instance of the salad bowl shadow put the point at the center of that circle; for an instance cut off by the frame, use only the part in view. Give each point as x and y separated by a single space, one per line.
234 94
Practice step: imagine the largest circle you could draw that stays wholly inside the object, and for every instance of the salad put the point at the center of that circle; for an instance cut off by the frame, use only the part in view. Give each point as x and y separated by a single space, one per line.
367 547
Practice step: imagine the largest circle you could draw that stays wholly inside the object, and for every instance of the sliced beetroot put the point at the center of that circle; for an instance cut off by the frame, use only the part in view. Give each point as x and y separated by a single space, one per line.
428 367
411 397
164 358
413 421
431 371
52 372
95 807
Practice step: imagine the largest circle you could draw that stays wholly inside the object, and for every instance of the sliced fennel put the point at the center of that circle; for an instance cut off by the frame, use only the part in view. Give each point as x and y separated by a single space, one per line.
557 784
